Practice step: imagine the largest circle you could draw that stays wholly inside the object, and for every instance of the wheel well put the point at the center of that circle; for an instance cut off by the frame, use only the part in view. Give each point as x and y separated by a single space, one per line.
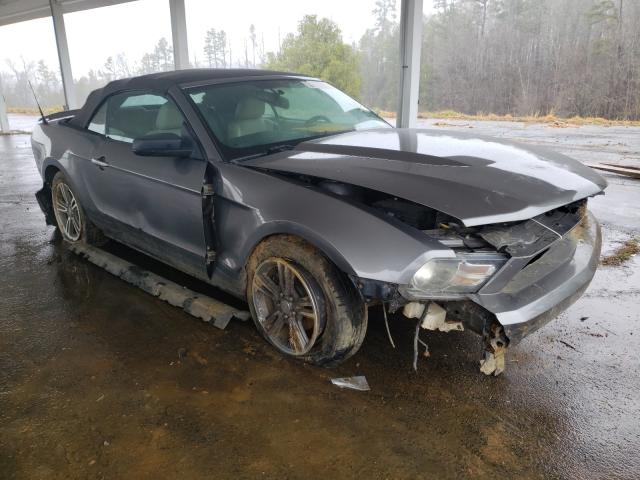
334 257
49 173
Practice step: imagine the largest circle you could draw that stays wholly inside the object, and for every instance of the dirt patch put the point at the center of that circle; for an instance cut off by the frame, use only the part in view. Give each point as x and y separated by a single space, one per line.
15 132
445 124
551 118
622 254
559 124
35 111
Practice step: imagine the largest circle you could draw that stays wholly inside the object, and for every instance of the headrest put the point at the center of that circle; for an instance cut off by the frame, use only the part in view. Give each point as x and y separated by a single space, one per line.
169 117
209 99
249 109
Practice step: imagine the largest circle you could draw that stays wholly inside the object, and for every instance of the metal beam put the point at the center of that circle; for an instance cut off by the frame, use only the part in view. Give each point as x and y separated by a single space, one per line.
63 55
15 11
410 46
179 34
4 119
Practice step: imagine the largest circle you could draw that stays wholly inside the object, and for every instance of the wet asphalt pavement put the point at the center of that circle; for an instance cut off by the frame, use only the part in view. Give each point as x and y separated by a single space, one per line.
100 380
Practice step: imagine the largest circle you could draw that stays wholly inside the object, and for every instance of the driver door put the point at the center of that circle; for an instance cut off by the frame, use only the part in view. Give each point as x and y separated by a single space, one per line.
152 203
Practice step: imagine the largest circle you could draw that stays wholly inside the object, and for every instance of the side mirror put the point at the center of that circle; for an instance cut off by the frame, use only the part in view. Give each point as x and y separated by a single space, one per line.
162 145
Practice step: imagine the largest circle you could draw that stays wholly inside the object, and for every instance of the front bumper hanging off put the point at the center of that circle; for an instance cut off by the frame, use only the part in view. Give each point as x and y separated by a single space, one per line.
545 285
549 285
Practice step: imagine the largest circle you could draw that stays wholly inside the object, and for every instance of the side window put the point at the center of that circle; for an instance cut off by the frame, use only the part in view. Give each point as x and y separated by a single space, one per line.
134 115
99 120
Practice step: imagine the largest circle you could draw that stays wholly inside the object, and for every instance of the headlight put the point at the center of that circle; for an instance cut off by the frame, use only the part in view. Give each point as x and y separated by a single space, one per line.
451 277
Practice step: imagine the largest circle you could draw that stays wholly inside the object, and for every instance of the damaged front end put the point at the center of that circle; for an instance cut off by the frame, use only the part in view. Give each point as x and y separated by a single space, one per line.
508 242
502 281
505 280
547 263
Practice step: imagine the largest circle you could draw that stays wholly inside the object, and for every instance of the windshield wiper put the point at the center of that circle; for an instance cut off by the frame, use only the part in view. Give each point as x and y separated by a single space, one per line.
268 151
280 148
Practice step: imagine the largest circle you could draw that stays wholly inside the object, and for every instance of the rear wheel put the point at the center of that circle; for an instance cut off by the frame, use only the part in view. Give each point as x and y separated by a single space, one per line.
70 217
302 304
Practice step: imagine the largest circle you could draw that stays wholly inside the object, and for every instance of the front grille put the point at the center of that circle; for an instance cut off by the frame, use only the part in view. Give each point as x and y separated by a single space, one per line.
529 238
536 257
536 246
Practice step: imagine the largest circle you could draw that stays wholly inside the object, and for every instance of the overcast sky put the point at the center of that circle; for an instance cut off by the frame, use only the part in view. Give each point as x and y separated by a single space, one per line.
134 28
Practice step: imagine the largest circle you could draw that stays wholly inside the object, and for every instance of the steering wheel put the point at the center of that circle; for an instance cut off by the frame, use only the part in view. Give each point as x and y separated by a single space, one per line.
317 119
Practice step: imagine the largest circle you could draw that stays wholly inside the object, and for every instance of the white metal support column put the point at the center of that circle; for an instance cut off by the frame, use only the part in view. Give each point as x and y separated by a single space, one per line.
179 34
4 119
410 46
63 55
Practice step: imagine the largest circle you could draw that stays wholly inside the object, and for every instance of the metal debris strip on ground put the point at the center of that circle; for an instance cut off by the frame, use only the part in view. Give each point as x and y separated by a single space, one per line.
200 306
626 170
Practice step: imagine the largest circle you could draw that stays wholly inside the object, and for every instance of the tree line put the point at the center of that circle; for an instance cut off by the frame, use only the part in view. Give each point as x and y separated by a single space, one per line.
519 57
48 86
571 57
217 53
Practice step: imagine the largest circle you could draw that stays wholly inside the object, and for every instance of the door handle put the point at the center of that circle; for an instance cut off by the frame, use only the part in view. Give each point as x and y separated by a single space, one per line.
100 162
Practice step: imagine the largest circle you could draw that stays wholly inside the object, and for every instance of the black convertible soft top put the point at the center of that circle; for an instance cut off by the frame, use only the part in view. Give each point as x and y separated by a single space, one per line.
161 82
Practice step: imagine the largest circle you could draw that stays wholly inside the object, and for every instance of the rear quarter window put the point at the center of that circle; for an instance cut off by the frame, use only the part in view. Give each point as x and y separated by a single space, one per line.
98 123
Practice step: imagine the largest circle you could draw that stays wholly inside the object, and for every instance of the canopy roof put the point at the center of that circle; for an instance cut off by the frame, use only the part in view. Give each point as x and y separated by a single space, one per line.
14 11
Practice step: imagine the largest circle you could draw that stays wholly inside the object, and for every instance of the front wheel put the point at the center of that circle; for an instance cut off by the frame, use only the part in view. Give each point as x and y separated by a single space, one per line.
302 304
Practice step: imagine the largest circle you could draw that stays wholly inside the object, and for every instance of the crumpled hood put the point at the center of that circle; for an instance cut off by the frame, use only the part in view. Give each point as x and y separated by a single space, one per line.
478 180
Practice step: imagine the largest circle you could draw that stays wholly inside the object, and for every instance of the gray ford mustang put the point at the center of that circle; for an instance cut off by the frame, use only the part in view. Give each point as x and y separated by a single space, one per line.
283 190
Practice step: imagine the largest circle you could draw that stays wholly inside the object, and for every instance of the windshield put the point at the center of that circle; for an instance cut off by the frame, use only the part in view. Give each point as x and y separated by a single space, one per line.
258 116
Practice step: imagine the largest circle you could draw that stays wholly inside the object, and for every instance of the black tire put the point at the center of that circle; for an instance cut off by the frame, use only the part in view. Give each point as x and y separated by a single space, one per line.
341 308
87 231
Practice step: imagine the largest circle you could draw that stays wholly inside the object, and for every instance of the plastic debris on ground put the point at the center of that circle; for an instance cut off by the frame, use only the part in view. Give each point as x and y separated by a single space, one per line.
353 383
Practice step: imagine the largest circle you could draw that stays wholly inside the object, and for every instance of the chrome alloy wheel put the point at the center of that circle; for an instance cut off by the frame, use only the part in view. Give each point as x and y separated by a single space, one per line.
286 305
67 212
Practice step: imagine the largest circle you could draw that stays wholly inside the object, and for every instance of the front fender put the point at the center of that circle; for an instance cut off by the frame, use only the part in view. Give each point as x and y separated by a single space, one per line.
252 205
282 227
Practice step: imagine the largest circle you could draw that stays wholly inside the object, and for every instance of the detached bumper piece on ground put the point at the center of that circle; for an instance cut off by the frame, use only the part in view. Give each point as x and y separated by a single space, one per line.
198 305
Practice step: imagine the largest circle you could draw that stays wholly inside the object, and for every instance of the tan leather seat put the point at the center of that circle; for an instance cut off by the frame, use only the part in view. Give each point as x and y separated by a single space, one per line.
249 119
169 119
